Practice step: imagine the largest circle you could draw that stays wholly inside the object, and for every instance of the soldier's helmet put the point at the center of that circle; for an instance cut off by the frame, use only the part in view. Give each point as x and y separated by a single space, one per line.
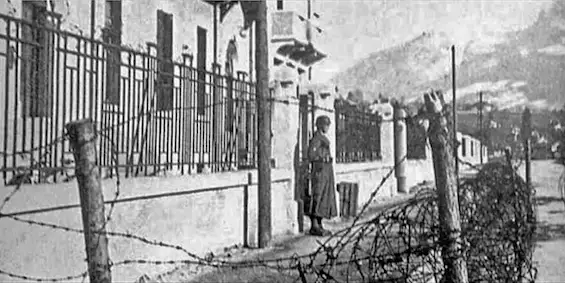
323 120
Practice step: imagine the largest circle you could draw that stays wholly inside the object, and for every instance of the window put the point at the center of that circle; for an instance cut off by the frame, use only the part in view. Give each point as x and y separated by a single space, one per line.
165 57
201 68
463 147
113 35
38 58
279 5
472 148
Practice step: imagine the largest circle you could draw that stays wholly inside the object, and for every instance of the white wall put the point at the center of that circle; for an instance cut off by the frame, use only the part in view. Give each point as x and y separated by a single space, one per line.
200 222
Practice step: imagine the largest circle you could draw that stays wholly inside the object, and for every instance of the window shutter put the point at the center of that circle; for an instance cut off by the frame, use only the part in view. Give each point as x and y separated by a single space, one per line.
165 57
201 68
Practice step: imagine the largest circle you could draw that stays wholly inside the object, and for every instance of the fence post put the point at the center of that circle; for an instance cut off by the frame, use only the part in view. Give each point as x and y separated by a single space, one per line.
83 142
526 136
246 210
400 149
446 185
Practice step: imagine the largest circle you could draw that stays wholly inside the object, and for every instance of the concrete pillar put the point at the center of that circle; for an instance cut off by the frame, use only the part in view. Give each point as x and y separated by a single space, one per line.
400 149
284 126
386 110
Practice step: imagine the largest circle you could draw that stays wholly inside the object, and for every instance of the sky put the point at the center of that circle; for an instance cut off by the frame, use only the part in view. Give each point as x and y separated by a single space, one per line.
356 28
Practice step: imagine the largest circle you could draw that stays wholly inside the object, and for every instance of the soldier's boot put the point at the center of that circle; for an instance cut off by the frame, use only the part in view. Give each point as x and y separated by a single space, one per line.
315 228
324 231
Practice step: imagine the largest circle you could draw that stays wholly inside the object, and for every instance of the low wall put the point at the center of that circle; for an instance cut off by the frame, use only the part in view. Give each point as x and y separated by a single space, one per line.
175 210
368 175
418 171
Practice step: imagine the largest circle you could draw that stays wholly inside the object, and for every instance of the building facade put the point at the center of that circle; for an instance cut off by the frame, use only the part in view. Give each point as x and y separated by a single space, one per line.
171 83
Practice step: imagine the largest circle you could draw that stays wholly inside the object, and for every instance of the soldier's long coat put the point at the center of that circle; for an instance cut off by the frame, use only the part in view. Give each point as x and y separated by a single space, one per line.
322 200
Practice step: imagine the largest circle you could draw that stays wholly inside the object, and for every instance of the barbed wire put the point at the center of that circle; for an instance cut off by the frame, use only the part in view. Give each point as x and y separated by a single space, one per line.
384 246
44 279
331 251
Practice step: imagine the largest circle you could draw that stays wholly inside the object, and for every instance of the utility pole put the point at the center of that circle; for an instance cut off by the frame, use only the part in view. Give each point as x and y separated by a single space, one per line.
263 123
455 144
446 184
526 139
481 125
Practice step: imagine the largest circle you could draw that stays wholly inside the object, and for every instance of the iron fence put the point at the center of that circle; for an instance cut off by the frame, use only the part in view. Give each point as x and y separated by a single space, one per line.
154 114
358 133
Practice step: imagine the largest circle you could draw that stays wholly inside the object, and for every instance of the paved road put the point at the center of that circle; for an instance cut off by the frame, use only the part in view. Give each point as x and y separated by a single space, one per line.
550 250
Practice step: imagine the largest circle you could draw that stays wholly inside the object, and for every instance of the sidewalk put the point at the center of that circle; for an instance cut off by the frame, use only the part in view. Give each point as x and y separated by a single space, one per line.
282 246
549 253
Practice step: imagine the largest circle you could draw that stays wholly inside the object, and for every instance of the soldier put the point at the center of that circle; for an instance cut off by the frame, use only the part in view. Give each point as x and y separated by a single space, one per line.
322 201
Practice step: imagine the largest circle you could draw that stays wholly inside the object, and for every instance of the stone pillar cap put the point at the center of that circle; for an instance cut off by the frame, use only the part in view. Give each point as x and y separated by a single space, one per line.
384 109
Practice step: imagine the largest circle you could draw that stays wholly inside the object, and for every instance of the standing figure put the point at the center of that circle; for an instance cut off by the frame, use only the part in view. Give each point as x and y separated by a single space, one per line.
322 200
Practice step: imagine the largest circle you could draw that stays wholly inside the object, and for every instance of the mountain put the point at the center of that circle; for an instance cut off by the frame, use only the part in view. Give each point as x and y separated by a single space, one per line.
525 68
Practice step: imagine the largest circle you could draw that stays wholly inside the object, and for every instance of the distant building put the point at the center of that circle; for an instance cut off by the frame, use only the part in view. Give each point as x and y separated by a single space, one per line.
470 150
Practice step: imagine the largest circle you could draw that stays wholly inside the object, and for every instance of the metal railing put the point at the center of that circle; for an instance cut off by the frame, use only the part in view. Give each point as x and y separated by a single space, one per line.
358 133
153 114
416 139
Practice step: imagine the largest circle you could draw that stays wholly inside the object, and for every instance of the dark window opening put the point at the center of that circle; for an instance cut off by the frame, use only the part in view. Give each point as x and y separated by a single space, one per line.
279 5
37 60
201 69
113 36
165 59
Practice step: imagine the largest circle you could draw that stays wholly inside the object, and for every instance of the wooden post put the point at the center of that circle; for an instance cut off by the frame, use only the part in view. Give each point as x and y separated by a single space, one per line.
83 142
264 123
446 184
526 137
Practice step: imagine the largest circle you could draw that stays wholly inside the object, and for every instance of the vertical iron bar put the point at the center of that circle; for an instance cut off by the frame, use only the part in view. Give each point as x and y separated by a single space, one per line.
6 100
128 97
191 118
112 110
84 65
94 105
170 133
154 116
103 114
52 113
17 78
176 123
25 105
182 122
91 80
42 104
64 95
205 139
78 82
455 147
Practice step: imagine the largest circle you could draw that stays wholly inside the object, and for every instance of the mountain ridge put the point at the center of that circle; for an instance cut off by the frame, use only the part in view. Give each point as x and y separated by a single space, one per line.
525 68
